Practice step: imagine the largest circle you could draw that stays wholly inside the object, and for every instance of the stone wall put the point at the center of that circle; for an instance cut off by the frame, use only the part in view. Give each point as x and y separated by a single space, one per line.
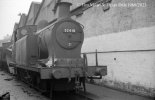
130 59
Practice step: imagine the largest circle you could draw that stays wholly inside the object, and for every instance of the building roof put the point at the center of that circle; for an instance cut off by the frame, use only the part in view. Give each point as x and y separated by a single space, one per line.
34 8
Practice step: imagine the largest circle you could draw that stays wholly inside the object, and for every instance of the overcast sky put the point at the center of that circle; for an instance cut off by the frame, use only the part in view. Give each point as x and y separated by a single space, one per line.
9 10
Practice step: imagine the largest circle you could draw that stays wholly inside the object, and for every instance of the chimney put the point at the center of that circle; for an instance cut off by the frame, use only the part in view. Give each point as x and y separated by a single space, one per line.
63 10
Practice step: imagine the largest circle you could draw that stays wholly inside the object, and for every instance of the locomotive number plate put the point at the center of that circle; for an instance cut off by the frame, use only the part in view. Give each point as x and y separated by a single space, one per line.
69 30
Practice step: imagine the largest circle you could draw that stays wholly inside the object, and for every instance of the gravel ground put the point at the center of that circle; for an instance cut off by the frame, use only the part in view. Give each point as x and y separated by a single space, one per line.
17 89
20 91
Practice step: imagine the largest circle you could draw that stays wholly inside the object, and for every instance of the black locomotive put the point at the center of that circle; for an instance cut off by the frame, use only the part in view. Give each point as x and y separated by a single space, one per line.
5 54
50 59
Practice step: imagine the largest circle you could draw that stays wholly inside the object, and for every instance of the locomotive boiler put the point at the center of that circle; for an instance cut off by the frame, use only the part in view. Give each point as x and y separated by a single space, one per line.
50 59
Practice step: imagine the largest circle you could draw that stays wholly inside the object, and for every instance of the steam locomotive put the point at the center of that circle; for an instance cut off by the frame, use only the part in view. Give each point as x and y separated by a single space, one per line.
50 59
4 53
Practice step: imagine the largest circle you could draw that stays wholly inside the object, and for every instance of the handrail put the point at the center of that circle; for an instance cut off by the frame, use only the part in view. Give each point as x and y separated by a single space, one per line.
118 51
